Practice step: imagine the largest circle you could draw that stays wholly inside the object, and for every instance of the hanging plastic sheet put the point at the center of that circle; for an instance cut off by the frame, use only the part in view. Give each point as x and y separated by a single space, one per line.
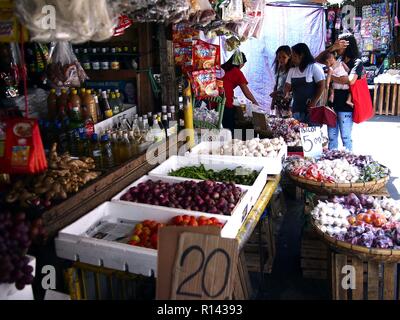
282 25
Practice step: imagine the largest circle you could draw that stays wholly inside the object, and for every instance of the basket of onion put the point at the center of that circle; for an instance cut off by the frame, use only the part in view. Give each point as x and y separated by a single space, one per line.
337 173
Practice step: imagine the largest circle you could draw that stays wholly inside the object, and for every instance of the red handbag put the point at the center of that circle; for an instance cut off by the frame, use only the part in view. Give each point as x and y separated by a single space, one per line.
323 115
363 109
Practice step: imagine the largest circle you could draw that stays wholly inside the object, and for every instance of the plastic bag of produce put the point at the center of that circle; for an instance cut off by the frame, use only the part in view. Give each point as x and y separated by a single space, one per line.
74 20
233 11
63 69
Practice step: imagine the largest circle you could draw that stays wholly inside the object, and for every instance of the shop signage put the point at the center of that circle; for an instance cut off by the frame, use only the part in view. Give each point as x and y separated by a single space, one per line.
311 140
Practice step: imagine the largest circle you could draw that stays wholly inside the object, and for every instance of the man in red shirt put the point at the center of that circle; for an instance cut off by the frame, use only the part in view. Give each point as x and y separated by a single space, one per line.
234 78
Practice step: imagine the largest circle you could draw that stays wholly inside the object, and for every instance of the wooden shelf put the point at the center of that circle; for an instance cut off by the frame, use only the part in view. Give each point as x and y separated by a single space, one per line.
111 75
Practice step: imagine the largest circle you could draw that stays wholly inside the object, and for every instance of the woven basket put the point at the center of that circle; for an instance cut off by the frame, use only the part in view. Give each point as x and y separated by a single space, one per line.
364 253
323 188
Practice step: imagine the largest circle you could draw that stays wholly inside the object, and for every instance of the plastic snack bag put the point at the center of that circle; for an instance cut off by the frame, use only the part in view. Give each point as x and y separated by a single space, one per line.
205 55
63 69
204 83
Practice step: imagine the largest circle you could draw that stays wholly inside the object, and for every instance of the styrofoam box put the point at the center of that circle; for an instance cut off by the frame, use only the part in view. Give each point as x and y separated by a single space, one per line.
238 214
8 291
272 165
72 243
176 162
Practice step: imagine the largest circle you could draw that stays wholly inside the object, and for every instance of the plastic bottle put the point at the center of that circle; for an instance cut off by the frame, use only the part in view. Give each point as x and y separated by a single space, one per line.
106 152
124 147
114 104
96 151
62 138
134 144
98 109
52 104
158 133
108 112
62 99
84 145
115 148
75 110
90 103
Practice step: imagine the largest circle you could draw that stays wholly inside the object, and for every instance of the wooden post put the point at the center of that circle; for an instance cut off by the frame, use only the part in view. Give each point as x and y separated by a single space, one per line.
358 292
387 98
394 99
389 278
375 97
398 101
373 280
381 96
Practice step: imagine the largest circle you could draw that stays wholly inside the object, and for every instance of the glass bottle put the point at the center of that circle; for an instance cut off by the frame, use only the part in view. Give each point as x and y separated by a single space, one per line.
115 148
108 112
107 152
96 151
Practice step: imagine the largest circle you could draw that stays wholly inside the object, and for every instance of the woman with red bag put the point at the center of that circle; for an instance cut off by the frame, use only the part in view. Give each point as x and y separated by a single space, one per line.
346 47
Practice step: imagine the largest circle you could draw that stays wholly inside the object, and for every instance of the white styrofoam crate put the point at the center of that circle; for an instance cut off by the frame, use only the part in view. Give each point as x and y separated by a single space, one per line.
272 165
176 162
8 291
72 243
240 212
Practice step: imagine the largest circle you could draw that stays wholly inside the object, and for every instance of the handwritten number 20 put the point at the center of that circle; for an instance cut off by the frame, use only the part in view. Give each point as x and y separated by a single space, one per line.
200 268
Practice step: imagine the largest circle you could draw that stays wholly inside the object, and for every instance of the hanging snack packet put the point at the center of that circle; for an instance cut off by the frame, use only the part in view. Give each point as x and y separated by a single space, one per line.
205 55
183 56
204 83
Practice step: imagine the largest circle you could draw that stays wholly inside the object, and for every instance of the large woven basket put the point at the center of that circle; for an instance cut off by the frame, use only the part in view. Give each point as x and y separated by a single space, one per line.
364 253
323 188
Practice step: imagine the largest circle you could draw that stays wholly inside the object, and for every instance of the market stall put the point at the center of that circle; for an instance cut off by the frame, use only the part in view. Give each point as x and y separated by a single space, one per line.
111 175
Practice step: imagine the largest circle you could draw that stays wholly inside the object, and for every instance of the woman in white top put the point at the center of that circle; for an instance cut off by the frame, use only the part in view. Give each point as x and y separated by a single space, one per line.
306 80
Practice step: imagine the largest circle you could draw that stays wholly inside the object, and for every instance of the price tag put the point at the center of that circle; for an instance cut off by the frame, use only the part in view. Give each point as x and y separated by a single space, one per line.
204 268
311 139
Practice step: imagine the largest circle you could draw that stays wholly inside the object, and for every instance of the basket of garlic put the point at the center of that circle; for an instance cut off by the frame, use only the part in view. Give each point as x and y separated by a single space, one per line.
364 226
337 173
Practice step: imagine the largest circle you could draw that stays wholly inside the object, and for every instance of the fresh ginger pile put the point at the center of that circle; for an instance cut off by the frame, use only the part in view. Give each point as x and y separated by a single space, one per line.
65 175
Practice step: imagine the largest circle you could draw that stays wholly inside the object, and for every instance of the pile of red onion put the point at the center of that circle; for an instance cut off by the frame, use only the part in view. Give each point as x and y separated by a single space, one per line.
206 196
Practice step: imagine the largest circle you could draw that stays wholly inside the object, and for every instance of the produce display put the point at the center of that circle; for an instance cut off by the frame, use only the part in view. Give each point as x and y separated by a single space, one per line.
360 220
206 196
203 114
16 236
337 166
288 128
250 148
240 175
65 175
145 233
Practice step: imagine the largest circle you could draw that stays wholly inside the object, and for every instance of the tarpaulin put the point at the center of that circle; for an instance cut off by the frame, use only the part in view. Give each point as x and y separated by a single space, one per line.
283 25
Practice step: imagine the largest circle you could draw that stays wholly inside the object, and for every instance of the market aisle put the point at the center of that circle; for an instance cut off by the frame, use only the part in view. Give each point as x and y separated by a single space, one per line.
286 281
379 138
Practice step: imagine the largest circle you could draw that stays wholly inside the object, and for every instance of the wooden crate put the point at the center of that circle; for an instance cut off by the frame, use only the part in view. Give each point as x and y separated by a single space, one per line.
386 99
314 257
371 281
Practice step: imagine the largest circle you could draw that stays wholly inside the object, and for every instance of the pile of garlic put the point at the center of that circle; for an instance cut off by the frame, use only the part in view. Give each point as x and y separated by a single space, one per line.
250 148
331 218
389 207
340 169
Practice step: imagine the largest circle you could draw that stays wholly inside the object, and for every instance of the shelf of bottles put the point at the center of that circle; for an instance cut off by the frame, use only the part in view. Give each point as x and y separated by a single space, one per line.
95 60
97 124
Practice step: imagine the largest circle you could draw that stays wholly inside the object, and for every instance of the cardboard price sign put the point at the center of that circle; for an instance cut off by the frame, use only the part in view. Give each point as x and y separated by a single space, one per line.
195 263
311 139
